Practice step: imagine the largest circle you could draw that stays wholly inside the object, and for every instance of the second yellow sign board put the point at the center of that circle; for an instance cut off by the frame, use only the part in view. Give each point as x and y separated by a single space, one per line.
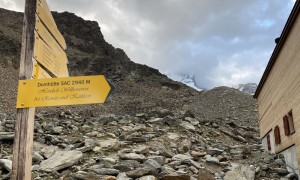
45 15
49 40
54 61
63 91
38 72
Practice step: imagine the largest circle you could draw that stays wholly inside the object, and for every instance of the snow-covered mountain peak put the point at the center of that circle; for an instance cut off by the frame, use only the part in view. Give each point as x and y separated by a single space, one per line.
188 80
249 88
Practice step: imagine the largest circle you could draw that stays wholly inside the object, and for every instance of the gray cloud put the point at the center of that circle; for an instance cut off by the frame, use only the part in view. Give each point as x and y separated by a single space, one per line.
221 42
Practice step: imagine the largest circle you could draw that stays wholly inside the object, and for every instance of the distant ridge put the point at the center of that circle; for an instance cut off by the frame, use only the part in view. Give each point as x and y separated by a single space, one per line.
249 88
188 80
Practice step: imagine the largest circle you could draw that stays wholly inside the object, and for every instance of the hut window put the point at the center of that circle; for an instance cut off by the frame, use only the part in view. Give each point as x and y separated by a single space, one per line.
277 135
288 124
269 142
291 122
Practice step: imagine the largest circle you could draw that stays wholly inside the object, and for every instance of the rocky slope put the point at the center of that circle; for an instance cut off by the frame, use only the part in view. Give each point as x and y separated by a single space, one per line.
88 54
151 128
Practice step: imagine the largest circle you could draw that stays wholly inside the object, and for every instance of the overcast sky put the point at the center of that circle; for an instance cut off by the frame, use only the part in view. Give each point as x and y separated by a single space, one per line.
221 42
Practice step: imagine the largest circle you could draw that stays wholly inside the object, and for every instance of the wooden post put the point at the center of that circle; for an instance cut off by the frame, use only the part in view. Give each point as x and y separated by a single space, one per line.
23 144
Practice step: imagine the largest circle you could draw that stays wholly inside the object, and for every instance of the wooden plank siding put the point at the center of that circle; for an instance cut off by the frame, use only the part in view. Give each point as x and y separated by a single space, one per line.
281 92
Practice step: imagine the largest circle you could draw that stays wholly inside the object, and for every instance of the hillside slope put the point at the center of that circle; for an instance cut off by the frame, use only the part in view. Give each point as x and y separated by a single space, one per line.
137 86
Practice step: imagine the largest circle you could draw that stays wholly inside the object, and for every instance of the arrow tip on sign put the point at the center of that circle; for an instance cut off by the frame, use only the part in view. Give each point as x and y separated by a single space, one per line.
112 88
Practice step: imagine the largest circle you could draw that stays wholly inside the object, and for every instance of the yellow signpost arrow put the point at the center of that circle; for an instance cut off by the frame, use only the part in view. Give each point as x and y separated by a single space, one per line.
49 40
63 91
38 72
45 15
49 57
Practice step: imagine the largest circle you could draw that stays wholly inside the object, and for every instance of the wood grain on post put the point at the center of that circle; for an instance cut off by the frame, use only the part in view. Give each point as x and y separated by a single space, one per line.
23 144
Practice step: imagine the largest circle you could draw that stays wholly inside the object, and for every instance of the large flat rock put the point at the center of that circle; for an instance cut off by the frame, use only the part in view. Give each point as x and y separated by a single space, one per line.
61 160
6 164
7 136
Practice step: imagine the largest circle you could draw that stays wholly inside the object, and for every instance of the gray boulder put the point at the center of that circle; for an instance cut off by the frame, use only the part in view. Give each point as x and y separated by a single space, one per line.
6 164
61 160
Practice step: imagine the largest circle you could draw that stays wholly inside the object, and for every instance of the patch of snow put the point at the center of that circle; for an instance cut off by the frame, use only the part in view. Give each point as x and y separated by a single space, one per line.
185 79
249 88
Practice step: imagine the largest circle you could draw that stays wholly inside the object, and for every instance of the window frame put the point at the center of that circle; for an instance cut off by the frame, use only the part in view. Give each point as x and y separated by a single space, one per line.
277 135
288 124
269 142
291 122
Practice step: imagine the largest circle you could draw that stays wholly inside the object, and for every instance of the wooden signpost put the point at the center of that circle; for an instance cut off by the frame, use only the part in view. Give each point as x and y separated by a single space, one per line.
44 81
23 143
